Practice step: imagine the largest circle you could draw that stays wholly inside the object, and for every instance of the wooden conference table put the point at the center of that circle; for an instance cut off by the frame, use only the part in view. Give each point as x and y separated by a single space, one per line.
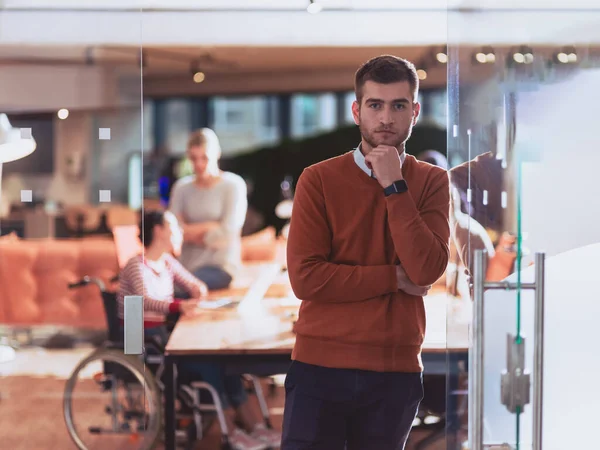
253 334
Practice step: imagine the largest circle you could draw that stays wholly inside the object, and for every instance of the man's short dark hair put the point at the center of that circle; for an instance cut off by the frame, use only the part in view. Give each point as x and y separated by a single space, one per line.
386 69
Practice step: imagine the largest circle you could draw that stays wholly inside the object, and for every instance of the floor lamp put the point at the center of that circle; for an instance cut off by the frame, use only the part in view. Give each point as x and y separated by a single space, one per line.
15 143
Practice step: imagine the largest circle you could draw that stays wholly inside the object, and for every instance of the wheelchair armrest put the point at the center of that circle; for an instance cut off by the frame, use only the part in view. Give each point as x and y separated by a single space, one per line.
151 343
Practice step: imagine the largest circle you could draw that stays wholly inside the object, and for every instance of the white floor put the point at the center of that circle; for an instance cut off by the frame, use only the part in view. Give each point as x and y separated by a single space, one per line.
40 362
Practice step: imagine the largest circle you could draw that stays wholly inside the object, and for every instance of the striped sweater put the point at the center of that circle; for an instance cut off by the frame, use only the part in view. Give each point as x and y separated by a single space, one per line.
155 281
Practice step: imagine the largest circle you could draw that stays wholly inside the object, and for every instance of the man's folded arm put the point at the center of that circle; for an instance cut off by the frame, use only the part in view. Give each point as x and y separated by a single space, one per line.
313 277
422 235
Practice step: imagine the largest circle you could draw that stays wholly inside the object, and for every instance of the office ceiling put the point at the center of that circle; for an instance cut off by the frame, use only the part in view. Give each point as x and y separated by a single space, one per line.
288 5
242 40
168 71
181 60
342 23
165 60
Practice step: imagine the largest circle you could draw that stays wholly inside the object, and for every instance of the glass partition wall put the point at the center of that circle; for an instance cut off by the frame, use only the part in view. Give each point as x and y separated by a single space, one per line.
523 152
521 309
70 120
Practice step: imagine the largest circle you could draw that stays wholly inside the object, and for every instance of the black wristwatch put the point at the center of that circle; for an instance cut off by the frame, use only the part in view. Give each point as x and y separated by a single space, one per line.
397 187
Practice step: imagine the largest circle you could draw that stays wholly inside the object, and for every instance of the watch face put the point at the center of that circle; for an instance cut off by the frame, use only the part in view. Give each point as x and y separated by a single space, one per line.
396 188
401 186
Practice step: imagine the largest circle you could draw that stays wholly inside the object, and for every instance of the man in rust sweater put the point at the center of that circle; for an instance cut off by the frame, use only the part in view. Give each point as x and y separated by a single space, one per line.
368 235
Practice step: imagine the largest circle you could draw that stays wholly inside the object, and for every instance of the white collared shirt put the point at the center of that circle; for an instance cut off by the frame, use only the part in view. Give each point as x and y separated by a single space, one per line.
359 159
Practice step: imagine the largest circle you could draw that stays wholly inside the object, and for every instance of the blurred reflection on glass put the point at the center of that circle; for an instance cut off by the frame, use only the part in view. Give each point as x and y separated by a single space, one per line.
522 149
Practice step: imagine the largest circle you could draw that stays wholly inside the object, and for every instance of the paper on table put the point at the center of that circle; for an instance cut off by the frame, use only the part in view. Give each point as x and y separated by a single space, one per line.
214 304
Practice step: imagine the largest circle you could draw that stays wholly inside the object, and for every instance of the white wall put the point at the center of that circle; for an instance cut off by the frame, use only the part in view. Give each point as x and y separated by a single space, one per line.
70 135
96 98
557 125
110 157
105 161
45 87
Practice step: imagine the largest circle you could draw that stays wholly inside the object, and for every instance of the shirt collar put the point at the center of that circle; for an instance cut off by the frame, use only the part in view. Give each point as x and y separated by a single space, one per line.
359 159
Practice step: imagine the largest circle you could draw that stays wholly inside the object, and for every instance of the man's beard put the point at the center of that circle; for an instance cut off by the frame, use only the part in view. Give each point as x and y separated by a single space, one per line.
396 140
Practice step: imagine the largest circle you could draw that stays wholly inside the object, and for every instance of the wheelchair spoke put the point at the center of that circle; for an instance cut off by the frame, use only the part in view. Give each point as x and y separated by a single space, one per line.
118 406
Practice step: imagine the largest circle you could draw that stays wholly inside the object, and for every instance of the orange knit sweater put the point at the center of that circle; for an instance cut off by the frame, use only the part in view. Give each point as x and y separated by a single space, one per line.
345 239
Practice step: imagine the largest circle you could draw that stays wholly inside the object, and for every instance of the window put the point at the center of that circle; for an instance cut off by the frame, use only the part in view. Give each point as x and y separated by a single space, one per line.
313 114
437 111
245 123
148 131
179 124
348 100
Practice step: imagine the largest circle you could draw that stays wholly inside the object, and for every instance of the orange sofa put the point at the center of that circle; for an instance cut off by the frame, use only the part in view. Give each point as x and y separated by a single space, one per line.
34 277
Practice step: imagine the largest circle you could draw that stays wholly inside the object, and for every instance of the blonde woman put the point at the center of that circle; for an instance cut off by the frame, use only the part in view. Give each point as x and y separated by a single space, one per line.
211 205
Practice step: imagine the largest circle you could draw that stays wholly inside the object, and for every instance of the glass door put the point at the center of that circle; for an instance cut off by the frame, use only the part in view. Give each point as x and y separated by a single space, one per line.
70 121
522 150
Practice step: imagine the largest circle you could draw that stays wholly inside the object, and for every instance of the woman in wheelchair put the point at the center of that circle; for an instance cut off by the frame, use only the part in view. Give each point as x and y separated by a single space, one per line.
154 274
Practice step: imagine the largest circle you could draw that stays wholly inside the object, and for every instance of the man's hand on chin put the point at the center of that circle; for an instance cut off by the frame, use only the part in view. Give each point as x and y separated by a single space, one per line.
385 162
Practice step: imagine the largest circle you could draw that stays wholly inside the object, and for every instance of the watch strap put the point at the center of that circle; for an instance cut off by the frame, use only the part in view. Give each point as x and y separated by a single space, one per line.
397 187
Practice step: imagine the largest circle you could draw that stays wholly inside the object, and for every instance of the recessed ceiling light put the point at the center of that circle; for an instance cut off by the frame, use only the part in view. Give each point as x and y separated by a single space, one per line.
314 7
199 77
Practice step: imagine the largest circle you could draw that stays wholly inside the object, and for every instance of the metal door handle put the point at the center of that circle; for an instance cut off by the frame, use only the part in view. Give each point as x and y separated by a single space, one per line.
476 354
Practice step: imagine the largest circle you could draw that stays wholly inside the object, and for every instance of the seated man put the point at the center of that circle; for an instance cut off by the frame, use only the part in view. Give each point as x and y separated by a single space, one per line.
153 275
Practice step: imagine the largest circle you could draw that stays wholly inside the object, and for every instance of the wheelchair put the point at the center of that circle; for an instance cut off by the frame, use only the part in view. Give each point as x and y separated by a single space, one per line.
116 400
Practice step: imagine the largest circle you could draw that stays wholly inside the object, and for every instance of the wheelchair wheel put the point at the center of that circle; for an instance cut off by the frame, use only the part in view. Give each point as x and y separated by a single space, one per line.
111 401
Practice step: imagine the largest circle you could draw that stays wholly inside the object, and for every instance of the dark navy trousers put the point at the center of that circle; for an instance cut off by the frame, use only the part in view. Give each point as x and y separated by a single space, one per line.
337 409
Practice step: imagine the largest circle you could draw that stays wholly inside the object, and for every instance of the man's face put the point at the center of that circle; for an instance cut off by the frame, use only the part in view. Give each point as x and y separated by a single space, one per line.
386 114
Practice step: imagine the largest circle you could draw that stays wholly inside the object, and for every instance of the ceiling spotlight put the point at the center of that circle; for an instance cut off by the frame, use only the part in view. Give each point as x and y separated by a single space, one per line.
567 55
519 57
486 55
199 77
422 74
63 113
442 57
314 7
524 55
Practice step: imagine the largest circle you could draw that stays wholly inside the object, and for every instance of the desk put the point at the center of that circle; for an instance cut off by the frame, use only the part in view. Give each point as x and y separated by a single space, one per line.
256 336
